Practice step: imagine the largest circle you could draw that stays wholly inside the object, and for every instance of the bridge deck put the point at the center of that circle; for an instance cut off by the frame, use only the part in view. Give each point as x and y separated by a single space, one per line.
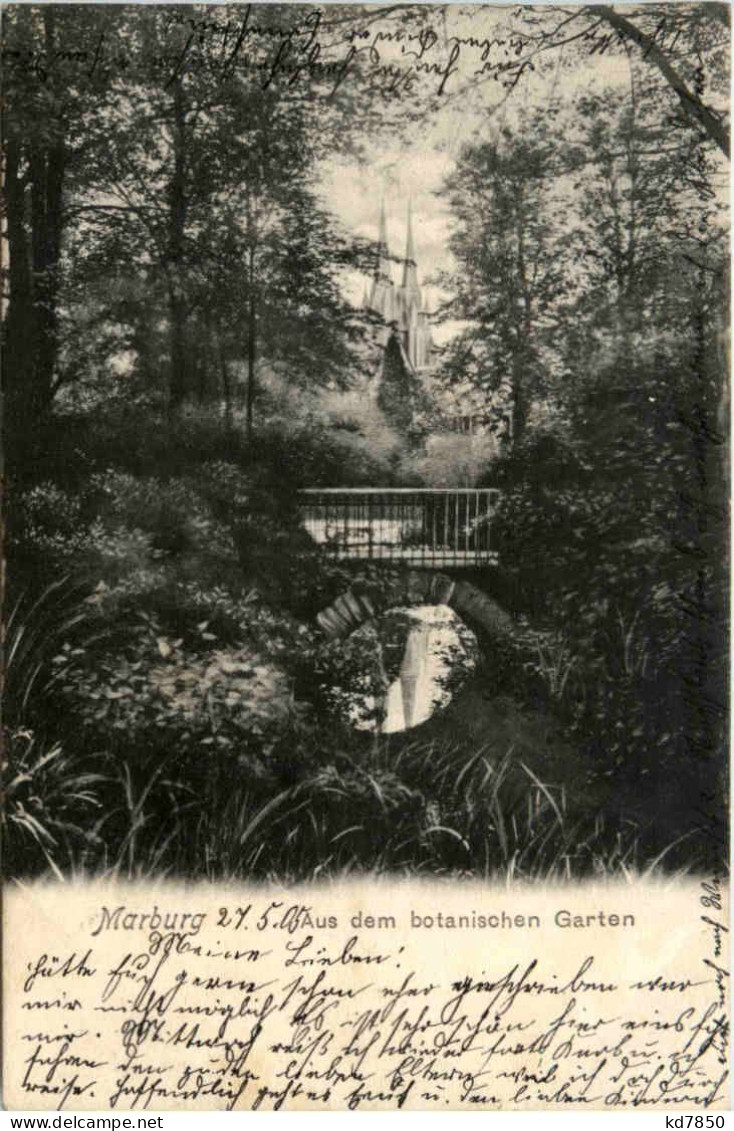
424 527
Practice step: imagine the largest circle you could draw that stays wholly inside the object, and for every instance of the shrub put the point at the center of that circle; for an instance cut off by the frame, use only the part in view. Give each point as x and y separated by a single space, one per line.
161 694
595 539
349 680
49 519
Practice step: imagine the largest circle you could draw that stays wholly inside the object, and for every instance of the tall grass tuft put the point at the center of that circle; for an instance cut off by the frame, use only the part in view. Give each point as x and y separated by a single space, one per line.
33 633
426 809
50 805
51 799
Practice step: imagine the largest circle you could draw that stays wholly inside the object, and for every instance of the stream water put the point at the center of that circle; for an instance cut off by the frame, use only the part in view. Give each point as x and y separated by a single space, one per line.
422 656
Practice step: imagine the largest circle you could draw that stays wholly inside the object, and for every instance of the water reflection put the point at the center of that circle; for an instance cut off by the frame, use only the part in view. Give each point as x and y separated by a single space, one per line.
415 659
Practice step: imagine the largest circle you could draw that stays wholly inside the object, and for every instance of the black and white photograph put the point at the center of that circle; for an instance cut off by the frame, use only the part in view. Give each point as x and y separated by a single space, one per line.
365 441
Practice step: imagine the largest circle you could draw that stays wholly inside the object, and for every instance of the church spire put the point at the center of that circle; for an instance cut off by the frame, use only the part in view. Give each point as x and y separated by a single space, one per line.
382 270
410 272
383 227
410 250
382 295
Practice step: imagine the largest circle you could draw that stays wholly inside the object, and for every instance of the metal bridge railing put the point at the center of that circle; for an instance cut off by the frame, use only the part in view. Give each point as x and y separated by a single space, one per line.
424 526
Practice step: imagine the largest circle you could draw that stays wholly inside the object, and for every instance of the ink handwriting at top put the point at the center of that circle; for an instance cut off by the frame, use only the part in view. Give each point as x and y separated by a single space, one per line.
306 54
329 1018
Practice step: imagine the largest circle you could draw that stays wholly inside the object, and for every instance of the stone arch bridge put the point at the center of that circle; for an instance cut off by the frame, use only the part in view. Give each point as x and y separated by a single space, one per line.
421 529
415 587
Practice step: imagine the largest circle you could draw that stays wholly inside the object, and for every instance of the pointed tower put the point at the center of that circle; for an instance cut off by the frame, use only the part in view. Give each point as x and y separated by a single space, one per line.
411 323
410 267
382 295
383 269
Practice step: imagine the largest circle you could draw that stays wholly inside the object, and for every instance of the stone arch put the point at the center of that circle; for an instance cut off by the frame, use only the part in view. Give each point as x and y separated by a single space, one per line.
415 587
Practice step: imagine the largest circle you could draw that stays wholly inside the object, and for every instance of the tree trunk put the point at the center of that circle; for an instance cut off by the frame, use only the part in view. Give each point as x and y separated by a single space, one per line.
177 226
47 176
519 405
50 221
198 361
251 344
177 315
226 383
19 321
524 331
34 229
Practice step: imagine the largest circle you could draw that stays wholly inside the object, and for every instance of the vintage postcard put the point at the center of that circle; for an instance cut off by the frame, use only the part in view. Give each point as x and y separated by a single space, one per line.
365 387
